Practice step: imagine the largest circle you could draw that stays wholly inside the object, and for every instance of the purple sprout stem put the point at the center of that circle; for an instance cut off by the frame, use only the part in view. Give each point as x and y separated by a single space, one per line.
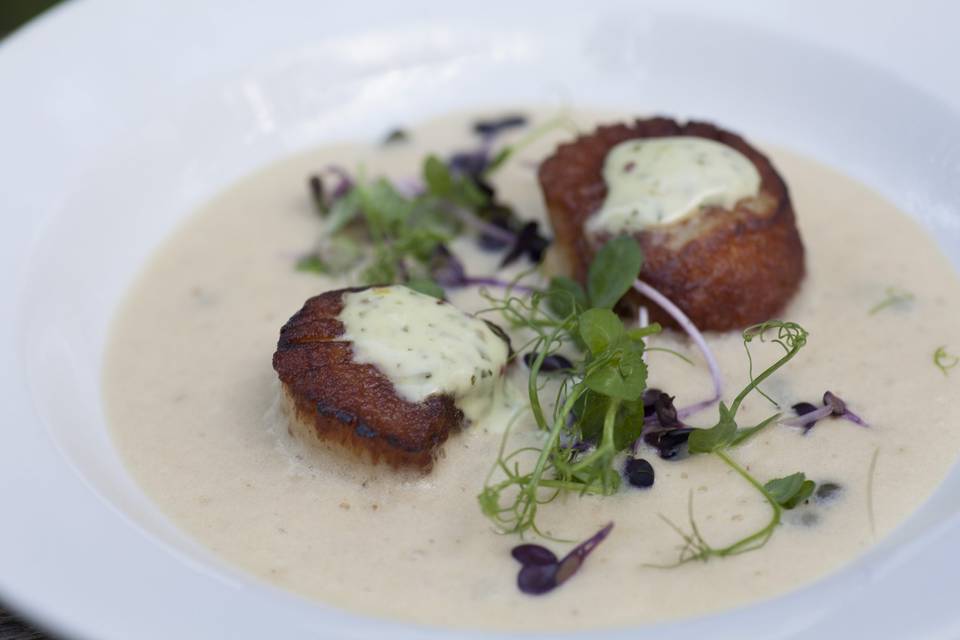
854 418
583 549
483 227
808 418
691 330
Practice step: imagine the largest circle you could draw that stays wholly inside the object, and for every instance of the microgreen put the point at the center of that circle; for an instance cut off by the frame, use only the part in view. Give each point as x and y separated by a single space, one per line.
725 435
599 402
894 297
944 360
613 271
389 231
791 490
833 407
542 571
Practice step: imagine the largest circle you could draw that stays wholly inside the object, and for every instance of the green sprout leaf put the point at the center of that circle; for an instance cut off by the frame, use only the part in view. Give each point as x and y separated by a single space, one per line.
613 271
791 490
717 437
565 296
600 329
437 176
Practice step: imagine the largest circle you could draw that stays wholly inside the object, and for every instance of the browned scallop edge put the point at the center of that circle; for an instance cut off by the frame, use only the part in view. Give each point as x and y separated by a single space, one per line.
354 404
733 271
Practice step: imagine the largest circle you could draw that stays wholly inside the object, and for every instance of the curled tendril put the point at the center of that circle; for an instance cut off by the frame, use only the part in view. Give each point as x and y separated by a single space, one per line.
789 335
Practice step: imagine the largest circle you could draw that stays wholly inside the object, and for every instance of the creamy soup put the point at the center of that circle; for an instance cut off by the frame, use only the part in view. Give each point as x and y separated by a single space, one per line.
195 411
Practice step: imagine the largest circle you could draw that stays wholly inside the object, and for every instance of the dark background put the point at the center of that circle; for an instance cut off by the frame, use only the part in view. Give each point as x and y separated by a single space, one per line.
14 13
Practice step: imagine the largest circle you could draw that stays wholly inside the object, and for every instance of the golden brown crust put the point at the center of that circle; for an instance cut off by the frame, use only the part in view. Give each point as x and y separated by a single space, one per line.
725 269
354 404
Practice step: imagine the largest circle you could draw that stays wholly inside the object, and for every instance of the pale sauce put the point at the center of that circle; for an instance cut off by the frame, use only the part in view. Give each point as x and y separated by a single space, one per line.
193 404
657 181
424 347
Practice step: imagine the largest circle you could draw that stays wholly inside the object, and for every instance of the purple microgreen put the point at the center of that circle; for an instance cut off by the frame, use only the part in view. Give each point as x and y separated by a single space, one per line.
494 233
537 579
691 330
448 271
650 397
841 410
324 198
665 412
670 443
528 242
809 414
944 360
315 184
533 554
471 163
495 126
551 363
638 472
540 575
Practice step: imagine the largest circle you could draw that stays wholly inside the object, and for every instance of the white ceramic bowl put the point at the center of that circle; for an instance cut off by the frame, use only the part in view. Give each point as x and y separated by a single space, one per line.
117 119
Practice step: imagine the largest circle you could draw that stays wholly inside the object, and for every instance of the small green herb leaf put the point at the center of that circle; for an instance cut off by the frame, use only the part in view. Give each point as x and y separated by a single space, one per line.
718 437
612 383
426 287
437 176
600 329
613 271
565 296
791 490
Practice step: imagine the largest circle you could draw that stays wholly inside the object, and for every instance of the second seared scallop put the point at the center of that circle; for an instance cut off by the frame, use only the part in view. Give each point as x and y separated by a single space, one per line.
713 216
387 371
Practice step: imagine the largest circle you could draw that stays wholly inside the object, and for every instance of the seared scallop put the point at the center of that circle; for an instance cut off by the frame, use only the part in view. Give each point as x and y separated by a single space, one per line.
712 215
387 372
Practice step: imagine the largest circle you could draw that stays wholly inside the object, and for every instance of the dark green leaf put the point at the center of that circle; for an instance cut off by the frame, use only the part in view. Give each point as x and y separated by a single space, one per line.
426 287
600 329
791 490
565 296
715 438
590 411
613 271
437 176
629 423
609 382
